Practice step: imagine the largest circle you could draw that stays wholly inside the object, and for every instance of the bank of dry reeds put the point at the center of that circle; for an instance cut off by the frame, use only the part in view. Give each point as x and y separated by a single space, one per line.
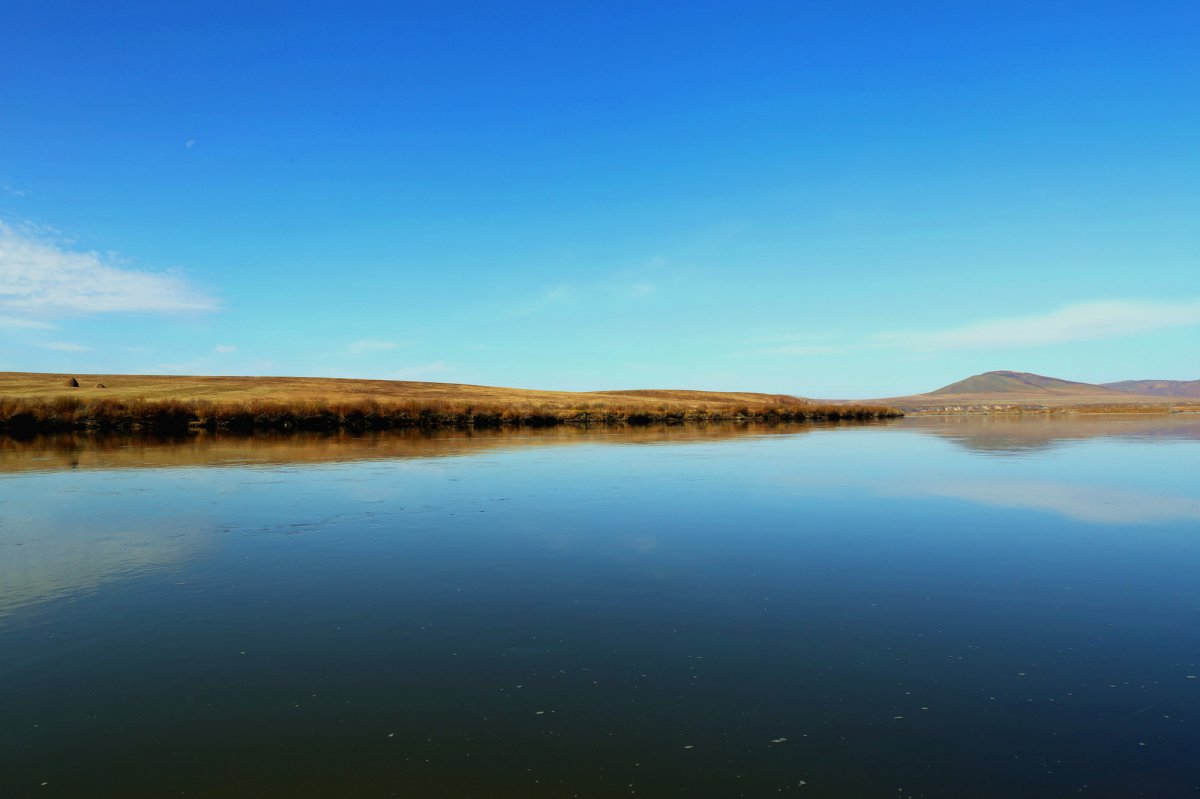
25 416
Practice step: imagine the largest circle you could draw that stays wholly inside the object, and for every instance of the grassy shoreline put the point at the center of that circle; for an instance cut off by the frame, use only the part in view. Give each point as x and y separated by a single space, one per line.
26 416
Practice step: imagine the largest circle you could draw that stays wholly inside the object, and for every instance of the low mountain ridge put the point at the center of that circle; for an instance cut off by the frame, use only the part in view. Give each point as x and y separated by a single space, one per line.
1006 391
1158 388
1005 382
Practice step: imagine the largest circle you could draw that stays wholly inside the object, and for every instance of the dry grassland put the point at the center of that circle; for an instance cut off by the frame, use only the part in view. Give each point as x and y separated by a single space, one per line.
32 402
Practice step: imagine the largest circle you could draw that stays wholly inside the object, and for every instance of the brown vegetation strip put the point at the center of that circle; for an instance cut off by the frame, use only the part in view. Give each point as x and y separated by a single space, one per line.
33 415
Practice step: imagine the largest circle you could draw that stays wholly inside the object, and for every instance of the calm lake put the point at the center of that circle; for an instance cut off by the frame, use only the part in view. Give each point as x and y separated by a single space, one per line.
989 607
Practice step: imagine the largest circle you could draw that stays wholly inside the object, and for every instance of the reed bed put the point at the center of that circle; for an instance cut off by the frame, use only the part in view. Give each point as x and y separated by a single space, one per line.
36 415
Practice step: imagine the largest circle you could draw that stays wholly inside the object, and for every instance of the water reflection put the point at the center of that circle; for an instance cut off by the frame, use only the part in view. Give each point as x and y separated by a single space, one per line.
74 539
74 562
1085 503
1031 433
110 451
703 613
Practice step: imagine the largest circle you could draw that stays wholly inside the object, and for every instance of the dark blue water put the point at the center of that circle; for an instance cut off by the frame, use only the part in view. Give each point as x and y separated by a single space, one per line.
934 608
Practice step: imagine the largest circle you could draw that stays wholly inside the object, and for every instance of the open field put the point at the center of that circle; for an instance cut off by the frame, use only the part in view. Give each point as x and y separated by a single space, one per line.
34 385
31 402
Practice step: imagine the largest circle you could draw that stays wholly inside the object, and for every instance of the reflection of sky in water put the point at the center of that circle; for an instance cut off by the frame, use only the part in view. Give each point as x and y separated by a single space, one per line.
868 594
1112 475
1082 502
64 532
67 533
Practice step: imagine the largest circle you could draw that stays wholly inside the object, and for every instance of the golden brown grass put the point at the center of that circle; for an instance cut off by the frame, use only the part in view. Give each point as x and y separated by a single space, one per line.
36 402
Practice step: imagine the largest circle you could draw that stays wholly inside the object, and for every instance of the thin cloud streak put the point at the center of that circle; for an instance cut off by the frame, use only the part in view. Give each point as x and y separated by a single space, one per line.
369 345
1082 322
804 349
13 322
423 371
1088 321
41 278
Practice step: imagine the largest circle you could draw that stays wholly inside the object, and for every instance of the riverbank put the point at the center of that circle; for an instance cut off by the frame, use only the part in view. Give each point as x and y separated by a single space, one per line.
22 416
32 402
1131 409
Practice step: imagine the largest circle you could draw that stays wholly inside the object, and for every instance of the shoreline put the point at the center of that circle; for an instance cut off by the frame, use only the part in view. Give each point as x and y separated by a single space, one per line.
1044 410
31 416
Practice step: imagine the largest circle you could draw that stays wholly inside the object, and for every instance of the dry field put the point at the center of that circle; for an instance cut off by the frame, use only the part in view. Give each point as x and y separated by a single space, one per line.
31 402
33 385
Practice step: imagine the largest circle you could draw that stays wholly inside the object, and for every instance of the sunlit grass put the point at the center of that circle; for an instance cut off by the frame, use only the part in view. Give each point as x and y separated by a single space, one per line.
169 415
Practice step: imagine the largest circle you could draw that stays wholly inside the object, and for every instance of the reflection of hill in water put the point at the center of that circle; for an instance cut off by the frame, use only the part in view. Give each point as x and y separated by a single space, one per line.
1028 433
85 451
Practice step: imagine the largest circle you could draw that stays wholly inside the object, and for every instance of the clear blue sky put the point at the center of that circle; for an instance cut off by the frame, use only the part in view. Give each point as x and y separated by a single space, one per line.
830 199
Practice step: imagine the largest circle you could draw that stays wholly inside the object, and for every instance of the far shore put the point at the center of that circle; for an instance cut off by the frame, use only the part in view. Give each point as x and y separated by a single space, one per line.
1000 409
33 403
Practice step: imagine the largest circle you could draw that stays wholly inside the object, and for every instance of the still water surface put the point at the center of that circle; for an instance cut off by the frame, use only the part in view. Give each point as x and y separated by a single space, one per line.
928 608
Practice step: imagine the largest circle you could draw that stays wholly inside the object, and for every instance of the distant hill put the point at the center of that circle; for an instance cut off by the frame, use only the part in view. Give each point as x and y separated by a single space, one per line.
1158 388
1019 383
1001 391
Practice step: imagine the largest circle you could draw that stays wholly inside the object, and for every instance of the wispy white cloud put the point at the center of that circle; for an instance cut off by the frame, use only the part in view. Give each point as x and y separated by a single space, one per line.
9 189
423 371
369 345
647 279
548 298
803 349
798 344
1081 322
65 346
1087 321
40 278
12 322
225 349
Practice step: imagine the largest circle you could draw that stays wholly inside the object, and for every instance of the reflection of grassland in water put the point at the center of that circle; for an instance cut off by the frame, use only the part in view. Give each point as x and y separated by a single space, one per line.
33 402
61 451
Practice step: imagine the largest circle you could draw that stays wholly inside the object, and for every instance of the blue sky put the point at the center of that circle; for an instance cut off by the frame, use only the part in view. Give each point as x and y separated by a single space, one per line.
829 199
